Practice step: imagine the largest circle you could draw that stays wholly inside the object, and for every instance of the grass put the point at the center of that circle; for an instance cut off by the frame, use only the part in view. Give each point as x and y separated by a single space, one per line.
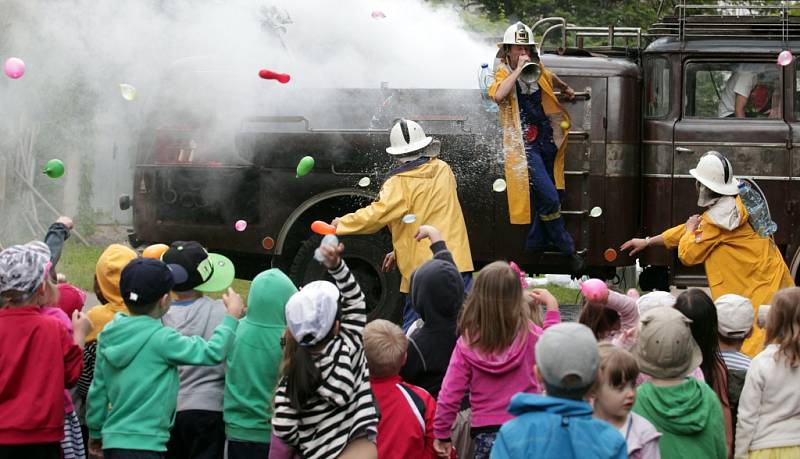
78 264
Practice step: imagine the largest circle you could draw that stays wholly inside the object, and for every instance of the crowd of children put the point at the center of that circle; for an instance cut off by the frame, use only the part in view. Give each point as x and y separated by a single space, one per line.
169 372
158 369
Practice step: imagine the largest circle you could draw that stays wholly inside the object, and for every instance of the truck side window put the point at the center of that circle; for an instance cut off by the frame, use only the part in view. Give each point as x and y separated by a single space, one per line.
657 87
797 90
732 90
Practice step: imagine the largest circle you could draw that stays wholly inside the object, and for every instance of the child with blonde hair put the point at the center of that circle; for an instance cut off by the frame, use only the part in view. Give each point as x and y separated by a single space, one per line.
493 356
614 397
406 425
769 407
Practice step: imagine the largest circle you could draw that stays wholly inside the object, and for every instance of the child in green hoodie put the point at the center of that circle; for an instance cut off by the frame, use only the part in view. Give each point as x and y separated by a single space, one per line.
686 411
134 392
254 366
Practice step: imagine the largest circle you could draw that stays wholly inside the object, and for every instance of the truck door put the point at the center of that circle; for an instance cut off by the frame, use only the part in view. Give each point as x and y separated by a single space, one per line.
754 136
792 201
661 108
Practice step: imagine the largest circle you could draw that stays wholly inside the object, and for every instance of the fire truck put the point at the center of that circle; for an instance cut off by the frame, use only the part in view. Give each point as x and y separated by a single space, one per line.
647 107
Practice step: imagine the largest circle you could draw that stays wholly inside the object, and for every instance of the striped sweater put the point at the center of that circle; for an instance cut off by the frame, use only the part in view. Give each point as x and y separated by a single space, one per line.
343 408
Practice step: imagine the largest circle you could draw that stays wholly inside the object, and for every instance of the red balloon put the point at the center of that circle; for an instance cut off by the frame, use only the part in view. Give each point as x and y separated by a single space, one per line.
270 75
323 228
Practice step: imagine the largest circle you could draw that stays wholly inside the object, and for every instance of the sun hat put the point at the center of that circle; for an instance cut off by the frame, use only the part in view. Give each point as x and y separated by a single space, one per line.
665 347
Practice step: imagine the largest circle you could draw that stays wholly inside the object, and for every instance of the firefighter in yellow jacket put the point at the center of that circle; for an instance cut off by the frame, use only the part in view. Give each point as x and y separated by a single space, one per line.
535 128
421 190
736 258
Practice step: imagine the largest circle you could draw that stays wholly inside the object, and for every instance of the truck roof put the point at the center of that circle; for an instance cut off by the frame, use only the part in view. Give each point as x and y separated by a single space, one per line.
720 45
595 66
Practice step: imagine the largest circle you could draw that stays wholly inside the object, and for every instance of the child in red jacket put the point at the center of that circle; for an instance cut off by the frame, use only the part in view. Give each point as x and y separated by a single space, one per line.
38 357
406 424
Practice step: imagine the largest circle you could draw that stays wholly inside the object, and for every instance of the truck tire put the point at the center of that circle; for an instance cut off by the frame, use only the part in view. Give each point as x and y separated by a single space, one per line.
364 256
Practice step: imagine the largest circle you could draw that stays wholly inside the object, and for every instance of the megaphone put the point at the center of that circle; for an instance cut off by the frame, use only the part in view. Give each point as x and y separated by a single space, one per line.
531 71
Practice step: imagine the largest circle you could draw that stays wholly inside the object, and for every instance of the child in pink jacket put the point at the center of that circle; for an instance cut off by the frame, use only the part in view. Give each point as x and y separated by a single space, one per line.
493 357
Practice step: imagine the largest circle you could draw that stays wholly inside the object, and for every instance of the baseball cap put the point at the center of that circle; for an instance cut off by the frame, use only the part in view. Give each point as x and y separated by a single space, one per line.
144 280
735 315
311 312
207 272
24 267
655 299
665 347
568 350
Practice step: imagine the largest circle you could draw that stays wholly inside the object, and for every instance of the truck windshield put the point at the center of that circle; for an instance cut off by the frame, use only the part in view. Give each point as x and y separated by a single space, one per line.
732 90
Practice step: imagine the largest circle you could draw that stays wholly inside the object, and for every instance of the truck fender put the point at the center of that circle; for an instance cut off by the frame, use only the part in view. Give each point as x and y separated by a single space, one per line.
298 212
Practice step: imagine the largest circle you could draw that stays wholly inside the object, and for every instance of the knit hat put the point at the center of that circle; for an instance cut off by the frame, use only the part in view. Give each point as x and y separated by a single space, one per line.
735 315
311 312
567 356
665 348
24 267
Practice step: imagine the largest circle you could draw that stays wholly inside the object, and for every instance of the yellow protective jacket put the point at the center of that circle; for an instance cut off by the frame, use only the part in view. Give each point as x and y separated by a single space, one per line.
427 191
516 164
736 261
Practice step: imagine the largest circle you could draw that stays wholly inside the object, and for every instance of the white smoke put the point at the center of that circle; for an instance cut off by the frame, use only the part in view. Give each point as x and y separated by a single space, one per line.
205 51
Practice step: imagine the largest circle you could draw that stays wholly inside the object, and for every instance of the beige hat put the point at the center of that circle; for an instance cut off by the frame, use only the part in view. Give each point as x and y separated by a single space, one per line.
665 348
655 299
735 315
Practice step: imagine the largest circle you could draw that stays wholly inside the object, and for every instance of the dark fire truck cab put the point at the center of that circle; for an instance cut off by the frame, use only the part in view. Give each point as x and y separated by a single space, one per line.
641 119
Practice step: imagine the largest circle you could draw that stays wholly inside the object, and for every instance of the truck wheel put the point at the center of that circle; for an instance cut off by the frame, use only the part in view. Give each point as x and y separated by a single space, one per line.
364 256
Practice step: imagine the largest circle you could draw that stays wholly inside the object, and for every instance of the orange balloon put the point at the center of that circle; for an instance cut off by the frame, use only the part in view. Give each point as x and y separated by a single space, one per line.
322 228
155 251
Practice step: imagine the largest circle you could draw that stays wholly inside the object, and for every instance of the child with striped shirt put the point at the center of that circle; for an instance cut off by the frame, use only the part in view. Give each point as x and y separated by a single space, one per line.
323 404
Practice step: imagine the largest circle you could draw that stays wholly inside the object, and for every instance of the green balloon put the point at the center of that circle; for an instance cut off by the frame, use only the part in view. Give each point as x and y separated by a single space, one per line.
305 165
54 168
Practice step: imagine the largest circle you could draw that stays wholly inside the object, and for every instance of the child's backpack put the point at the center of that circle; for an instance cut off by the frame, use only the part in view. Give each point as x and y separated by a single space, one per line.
756 204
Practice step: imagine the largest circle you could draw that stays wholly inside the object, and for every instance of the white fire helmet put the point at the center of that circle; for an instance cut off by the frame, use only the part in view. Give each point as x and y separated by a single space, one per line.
518 34
716 173
407 137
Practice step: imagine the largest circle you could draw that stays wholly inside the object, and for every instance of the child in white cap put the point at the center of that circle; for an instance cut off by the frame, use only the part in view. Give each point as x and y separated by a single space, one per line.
323 403
735 318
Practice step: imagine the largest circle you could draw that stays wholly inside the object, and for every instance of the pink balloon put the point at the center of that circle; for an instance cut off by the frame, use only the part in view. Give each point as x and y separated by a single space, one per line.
14 67
378 14
594 290
785 58
240 225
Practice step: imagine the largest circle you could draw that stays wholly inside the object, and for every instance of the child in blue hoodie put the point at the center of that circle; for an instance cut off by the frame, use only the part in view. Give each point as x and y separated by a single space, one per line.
560 425
133 396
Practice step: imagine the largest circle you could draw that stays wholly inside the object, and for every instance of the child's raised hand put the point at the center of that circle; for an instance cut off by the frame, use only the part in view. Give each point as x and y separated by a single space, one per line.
81 325
331 255
430 232
233 303
542 296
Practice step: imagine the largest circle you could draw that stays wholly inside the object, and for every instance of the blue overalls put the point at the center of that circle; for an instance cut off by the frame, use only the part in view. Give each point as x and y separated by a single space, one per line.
547 230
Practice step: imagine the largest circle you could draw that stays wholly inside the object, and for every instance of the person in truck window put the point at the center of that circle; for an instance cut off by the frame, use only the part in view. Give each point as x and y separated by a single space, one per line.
736 259
421 190
535 128
750 92
734 97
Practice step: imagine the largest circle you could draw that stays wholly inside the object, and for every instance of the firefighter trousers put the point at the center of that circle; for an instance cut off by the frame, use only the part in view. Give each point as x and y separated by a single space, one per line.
548 230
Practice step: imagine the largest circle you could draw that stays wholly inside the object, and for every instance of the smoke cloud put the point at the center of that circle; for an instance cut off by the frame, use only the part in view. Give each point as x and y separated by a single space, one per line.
204 57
